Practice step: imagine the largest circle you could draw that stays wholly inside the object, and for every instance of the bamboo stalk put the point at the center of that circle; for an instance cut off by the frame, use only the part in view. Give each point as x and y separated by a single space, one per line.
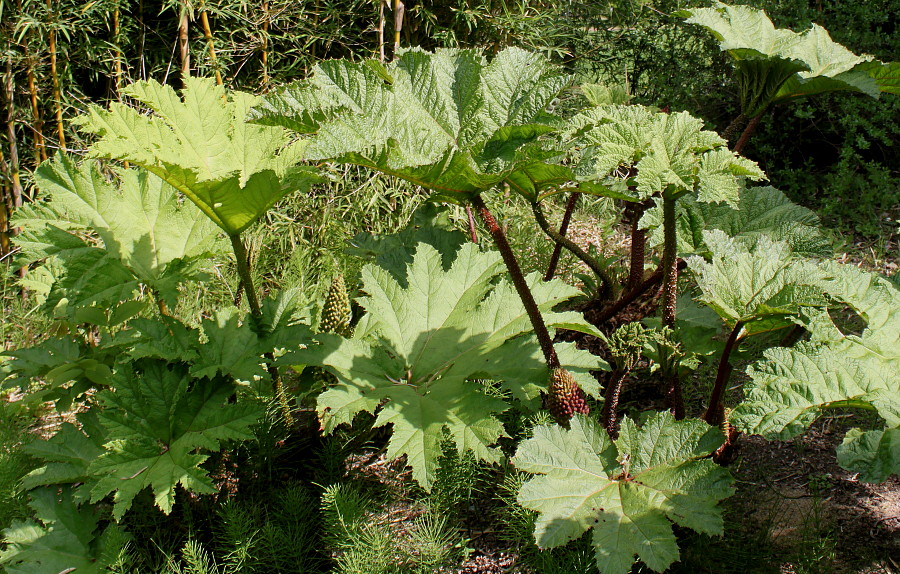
207 33
54 76
12 197
15 181
5 246
264 56
399 10
381 4
184 50
5 209
563 228
117 64
40 148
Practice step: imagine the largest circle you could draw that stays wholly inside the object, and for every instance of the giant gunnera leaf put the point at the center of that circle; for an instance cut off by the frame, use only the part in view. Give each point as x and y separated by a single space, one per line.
658 153
629 491
760 212
763 288
145 236
159 422
201 145
425 343
449 121
776 64
67 538
791 387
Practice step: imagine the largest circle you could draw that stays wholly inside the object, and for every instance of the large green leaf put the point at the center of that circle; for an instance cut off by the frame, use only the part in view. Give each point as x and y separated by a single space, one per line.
629 491
669 153
791 387
63 369
778 64
68 454
232 170
427 339
158 418
67 539
764 287
449 121
395 252
874 454
146 236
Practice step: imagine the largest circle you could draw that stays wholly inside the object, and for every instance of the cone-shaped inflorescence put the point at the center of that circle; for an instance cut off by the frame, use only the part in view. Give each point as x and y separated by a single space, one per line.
336 311
566 397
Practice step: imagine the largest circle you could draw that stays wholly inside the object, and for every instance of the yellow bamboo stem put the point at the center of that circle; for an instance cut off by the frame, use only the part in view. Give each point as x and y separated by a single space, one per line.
40 150
381 4
54 76
5 204
117 65
207 33
399 9
184 51
264 57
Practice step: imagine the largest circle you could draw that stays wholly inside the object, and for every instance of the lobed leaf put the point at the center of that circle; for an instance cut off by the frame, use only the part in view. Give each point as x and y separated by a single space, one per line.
791 387
778 64
427 339
449 121
233 171
763 287
65 540
157 420
629 491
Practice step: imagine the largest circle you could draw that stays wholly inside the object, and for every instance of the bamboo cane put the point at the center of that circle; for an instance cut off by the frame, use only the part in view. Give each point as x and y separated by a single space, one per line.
207 33
184 51
54 76
15 181
12 199
5 203
117 64
40 149
264 56
381 4
399 9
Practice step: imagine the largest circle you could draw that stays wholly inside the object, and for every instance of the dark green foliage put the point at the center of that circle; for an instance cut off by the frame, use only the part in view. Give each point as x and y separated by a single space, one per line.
15 463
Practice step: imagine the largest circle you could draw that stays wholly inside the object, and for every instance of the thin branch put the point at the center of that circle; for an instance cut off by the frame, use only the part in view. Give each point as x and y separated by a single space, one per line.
563 228
607 289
